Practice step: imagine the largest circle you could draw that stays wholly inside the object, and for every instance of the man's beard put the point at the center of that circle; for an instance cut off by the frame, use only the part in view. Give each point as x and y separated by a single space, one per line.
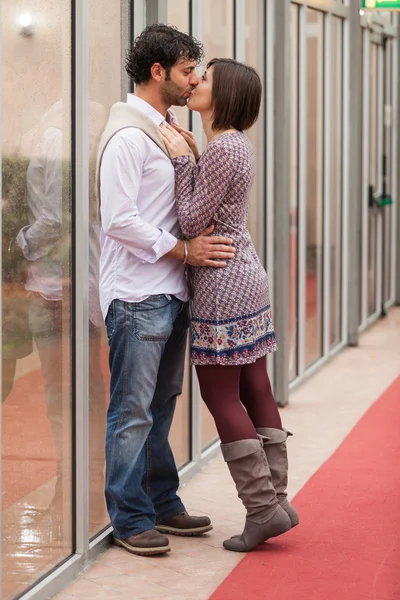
172 94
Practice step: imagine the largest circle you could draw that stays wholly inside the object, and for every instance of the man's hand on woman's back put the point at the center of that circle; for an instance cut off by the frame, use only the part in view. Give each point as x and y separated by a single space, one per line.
209 251
206 250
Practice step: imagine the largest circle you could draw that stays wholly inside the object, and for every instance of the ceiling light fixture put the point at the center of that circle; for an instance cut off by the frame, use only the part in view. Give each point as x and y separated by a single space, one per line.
26 24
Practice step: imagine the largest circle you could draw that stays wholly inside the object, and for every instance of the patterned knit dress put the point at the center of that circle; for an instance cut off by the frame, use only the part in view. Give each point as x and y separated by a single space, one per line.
231 314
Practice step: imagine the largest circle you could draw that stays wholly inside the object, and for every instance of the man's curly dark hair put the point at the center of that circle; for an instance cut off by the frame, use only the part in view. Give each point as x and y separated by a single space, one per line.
162 44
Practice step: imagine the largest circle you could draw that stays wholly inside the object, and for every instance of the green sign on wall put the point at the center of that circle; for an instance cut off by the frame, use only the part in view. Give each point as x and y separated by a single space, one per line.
380 4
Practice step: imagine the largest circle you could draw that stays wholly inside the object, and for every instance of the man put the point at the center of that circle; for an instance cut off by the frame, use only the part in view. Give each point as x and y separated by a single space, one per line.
44 245
144 294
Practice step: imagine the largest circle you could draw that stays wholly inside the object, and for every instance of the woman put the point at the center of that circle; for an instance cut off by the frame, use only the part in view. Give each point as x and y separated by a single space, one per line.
231 324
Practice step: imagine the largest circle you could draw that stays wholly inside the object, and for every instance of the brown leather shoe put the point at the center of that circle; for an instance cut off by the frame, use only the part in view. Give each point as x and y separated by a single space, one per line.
184 524
147 543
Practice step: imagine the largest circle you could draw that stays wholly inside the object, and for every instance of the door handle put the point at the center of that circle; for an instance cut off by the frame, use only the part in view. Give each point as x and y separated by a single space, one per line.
376 199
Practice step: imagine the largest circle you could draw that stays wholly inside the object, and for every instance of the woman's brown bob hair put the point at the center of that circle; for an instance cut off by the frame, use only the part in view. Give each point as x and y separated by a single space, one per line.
236 94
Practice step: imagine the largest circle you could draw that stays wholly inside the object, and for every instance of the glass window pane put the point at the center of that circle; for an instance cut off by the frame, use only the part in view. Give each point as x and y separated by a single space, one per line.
373 179
388 210
364 78
373 114
218 29
178 15
179 436
336 181
372 250
386 15
255 38
315 50
108 84
294 199
36 291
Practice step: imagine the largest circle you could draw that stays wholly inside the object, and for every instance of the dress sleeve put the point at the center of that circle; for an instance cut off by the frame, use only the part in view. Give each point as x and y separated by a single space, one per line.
200 189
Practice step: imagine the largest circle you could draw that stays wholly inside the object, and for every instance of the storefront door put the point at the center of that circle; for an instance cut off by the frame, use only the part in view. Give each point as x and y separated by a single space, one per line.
377 175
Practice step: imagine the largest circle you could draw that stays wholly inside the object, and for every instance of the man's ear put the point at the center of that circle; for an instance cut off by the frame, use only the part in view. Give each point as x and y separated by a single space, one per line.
157 72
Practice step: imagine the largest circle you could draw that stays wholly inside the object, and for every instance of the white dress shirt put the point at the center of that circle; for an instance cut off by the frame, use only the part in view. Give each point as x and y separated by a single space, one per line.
139 218
41 241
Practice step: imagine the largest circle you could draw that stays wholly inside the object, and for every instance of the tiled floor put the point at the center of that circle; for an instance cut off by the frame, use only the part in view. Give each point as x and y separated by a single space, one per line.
321 413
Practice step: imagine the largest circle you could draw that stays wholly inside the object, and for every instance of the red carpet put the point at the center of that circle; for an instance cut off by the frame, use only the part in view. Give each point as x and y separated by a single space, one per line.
347 546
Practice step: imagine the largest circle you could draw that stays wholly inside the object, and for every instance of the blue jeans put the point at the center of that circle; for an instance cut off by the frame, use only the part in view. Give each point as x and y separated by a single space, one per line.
147 352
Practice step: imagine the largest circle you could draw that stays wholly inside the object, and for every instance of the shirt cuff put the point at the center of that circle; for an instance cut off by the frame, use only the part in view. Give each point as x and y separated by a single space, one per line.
162 246
22 243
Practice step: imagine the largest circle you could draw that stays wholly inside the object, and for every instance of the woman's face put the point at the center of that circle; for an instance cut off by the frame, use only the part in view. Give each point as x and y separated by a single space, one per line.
201 97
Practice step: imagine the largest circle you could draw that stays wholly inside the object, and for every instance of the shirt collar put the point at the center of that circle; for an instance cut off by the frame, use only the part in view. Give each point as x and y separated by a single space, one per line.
145 108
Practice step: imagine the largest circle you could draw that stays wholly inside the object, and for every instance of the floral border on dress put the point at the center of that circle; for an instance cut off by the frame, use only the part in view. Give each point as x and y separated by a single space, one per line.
234 357
233 340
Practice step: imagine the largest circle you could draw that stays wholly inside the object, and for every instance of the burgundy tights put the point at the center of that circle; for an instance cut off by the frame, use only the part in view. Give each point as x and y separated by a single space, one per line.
239 398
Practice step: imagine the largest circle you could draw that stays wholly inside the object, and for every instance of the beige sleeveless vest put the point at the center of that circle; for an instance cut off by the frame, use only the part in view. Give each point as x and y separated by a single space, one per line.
122 116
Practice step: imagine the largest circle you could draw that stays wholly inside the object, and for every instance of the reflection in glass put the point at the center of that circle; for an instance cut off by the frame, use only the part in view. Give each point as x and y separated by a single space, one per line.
315 49
36 296
336 182
293 239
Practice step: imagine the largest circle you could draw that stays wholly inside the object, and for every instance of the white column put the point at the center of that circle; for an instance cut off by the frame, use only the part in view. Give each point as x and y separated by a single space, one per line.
81 272
282 199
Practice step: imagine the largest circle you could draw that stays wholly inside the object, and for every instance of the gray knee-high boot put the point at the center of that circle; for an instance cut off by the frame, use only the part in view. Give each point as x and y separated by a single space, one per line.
265 518
274 442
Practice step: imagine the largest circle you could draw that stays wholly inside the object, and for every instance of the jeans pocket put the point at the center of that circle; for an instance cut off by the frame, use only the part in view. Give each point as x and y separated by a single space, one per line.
110 320
153 319
43 321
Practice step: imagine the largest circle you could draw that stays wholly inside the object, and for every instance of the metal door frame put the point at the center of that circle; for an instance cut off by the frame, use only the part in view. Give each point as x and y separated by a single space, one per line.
329 9
374 31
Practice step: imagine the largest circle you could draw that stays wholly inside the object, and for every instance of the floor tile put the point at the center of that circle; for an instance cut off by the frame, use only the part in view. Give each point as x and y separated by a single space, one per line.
321 413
